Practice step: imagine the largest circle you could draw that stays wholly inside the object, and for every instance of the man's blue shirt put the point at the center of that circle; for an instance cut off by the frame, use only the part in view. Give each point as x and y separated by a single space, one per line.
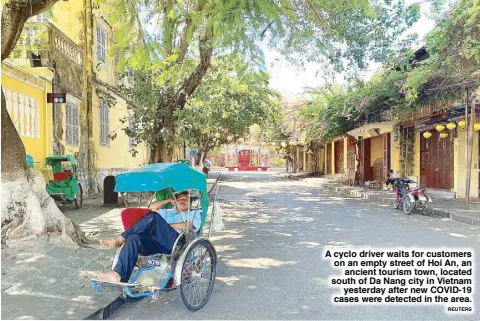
172 216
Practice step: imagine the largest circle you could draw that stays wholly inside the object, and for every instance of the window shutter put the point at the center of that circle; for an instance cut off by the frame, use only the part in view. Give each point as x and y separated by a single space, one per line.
75 126
68 125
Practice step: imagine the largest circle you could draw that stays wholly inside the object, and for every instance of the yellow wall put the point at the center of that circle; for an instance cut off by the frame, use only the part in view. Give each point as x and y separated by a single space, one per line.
460 166
117 154
376 149
67 16
25 83
395 153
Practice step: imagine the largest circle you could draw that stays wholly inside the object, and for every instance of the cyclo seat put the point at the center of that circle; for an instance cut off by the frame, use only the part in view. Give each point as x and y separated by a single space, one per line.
132 215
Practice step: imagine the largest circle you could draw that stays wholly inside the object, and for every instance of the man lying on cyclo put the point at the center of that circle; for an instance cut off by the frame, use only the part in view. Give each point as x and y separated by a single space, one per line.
154 233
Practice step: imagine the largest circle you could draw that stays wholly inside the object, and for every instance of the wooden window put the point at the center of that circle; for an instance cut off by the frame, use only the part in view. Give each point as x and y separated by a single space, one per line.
72 136
101 45
104 124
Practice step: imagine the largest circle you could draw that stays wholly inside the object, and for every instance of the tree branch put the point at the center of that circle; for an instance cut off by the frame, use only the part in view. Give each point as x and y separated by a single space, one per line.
14 15
192 82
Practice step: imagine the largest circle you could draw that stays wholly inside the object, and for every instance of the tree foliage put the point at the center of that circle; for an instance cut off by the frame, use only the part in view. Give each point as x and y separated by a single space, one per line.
454 50
229 101
403 83
173 42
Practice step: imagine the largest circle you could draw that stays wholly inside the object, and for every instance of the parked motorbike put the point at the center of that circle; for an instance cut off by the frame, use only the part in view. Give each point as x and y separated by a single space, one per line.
417 200
410 200
402 186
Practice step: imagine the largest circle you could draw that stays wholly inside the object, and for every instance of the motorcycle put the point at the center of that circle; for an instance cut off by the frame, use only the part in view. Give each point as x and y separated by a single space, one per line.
402 186
410 200
419 201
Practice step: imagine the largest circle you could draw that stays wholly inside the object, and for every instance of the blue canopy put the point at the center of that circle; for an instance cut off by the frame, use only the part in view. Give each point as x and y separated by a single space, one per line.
157 177
161 176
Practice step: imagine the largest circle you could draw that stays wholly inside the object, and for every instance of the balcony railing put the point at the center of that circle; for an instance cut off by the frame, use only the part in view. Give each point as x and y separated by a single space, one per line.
49 41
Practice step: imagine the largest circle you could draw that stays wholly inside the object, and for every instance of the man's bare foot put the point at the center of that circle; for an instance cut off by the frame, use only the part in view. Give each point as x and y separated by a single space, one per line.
112 243
111 276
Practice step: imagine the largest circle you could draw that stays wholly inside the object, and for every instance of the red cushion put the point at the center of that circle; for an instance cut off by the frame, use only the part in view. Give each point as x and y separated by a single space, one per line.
131 216
58 177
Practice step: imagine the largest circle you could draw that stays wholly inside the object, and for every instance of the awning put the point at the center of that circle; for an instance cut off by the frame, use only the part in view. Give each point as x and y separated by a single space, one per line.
371 128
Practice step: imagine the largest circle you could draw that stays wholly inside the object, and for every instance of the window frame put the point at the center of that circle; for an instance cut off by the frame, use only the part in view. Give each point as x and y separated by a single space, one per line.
72 125
101 48
104 123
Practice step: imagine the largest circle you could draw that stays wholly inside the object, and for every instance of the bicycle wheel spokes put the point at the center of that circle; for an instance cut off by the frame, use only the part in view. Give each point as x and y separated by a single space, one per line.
198 275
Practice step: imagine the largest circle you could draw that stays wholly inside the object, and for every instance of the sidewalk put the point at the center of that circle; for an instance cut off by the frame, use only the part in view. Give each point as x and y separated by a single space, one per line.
454 209
43 278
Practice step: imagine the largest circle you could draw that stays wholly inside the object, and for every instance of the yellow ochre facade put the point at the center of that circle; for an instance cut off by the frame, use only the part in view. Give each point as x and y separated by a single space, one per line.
62 53
416 171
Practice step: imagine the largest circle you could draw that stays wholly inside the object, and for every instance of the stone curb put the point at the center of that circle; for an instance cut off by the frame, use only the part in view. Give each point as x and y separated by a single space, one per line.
109 309
389 201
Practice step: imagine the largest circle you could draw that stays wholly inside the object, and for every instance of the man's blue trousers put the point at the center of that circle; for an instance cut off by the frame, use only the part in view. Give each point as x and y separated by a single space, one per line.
150 235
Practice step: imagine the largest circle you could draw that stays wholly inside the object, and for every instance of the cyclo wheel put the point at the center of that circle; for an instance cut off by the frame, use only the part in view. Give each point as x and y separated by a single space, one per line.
197 274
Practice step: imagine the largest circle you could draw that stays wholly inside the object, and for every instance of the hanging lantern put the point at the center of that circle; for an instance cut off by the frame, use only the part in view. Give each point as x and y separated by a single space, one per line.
462 124
427 135
229 138
217 135
284 144
241 140
443 135
451 125
476 127
439 127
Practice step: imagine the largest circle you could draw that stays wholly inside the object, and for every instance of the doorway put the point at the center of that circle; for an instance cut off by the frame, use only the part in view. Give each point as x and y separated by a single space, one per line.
329 159
436 161
365 156
339 157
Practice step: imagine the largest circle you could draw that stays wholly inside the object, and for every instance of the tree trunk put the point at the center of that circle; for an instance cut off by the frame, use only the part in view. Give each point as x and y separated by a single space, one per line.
470 132
163 150
86 160
27 209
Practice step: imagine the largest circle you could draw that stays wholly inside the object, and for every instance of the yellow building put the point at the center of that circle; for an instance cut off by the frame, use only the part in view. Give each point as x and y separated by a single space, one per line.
26 96
437 163
69 49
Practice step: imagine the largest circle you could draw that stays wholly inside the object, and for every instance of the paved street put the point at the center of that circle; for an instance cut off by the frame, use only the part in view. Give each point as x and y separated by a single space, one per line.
270 264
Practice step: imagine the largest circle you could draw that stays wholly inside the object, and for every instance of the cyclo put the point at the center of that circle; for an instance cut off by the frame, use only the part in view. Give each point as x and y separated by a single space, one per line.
191 266
65 187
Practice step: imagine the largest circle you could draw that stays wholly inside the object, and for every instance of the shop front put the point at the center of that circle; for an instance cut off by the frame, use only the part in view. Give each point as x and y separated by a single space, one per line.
374 151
